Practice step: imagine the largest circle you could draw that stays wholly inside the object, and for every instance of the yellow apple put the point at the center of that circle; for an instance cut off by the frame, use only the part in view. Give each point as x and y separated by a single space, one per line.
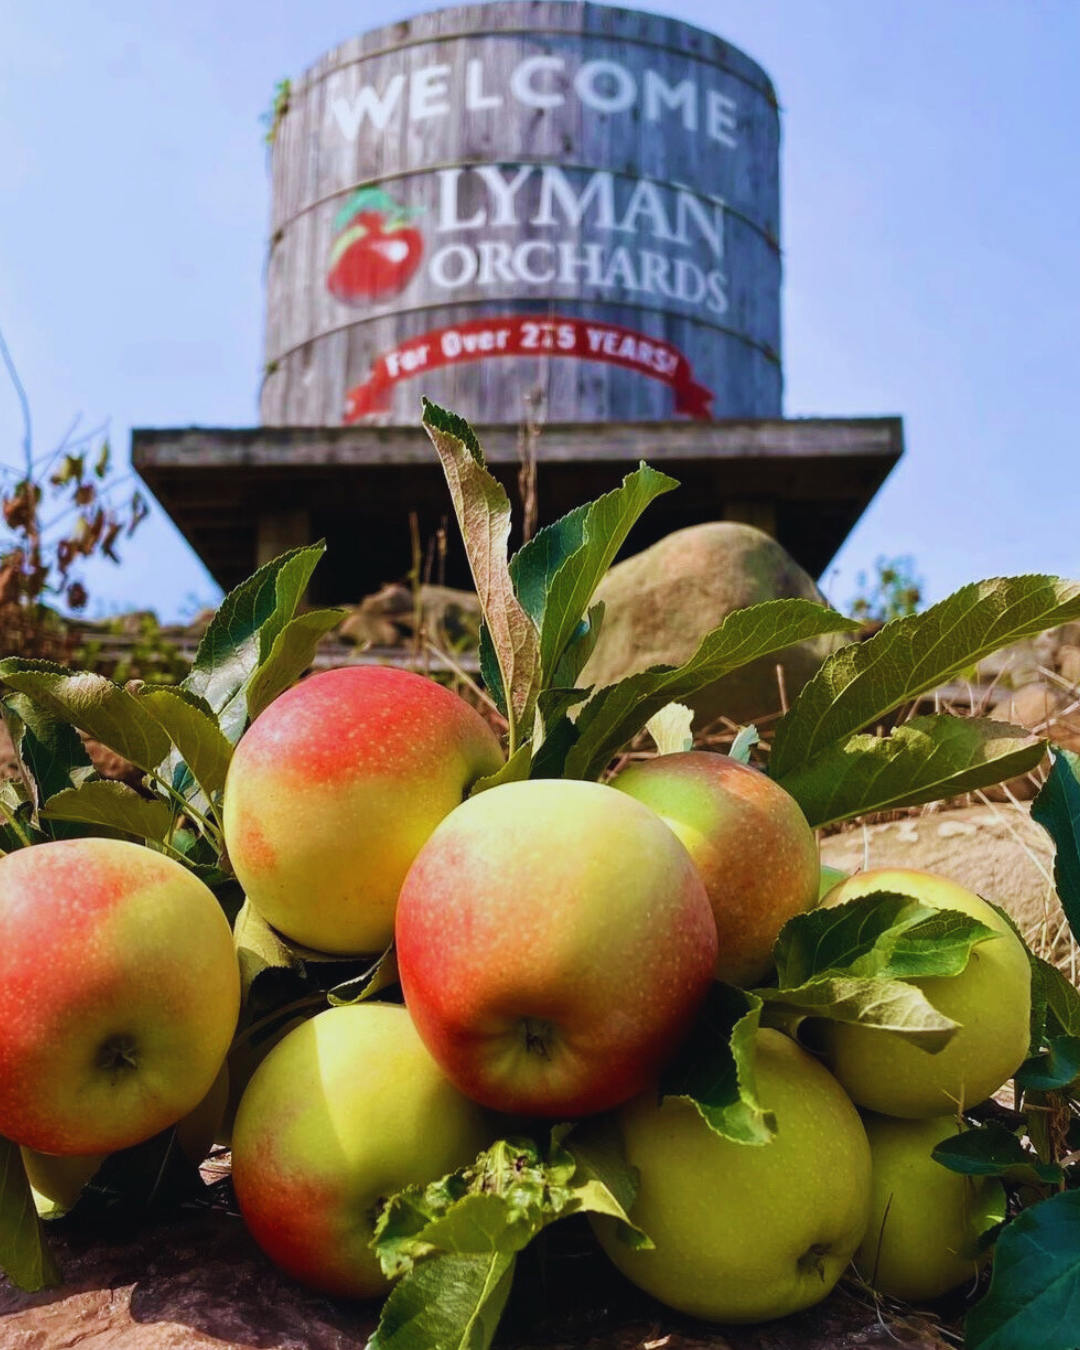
925 1221
57 1181
990 999
346 1110
745 1233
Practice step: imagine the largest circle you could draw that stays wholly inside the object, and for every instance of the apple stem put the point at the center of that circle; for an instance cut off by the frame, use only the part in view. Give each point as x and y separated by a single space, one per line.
537 1036
118 1055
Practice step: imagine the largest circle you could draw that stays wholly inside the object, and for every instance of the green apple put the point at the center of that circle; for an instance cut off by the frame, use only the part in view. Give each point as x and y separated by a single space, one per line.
343 1112
554 942
119 994
334 788
246 1053
746 1233
990 1000
925 1221
749 840
830 878
57 1181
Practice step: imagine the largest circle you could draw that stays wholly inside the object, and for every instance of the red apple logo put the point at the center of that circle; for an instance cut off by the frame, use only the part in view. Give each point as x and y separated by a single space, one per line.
376 248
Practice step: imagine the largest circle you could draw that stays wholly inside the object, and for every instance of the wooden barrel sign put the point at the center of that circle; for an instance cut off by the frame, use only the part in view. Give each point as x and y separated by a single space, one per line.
526 209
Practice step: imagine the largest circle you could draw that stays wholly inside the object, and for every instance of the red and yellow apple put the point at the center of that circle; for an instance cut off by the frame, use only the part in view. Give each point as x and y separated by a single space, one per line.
749 840
990 1000
925 1221
119 994
348 1109
554 942
744 1232
334 788
57 1180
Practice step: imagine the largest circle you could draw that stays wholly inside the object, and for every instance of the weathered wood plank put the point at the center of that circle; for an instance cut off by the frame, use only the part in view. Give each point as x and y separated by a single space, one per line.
779 439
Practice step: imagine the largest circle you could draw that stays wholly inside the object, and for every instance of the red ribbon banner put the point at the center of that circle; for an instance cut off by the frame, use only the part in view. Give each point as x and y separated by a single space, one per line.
525 335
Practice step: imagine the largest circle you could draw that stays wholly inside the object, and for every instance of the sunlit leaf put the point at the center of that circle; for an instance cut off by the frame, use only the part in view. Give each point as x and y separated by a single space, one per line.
861 683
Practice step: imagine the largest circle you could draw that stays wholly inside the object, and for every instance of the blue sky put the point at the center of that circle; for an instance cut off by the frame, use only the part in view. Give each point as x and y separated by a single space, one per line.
931 233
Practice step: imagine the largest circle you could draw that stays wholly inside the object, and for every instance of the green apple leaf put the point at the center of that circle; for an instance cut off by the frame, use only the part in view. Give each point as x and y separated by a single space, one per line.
483 514
851 963
48 748
1052 1070
114 805
609 1182
1062 1001
861 683
24 1252
242 634
490 674
714 1068
1057 810
194 732
884 935
890 1005
1032 1299
93 704
453 1243
17 830
670 729
990 1150
515 770
498 1203
291 654
745 740
453 1302
617 712
277 975
579 648
557 571
922 760
555 733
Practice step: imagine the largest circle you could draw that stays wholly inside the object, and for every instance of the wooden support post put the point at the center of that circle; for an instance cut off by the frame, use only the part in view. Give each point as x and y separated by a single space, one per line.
281 530
757 511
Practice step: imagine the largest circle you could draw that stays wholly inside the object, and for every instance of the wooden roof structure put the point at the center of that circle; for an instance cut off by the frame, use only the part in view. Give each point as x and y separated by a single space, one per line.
242 495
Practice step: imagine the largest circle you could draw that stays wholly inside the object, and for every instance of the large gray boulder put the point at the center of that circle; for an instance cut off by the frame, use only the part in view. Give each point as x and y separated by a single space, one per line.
661 602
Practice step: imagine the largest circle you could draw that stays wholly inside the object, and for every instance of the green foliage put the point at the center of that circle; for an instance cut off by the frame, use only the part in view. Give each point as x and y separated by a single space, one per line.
895 591
147 654
1032 1296
861 684
453 1244
278 109
1057 810
990 1150
852 963
714 1068
923 760
24 1254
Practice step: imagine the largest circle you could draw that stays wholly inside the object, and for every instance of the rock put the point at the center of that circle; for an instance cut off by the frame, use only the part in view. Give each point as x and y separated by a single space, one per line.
388 618
1047 709
661 602
997 851
1068 662
194 1280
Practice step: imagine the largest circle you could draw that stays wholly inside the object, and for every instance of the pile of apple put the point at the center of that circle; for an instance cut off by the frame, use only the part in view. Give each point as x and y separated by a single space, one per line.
555 942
